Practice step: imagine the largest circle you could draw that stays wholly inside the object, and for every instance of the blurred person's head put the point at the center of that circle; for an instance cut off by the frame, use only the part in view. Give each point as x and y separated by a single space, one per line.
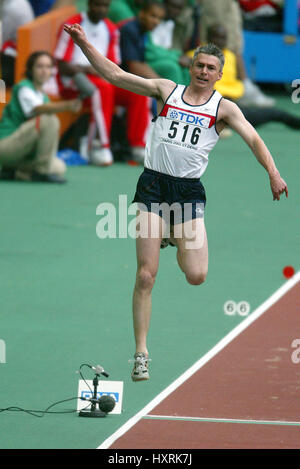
174 8
39 67
207 66
151 14
217 34
98 10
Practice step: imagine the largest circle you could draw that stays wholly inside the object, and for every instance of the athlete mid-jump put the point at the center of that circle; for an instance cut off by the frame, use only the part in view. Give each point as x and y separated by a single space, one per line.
187 126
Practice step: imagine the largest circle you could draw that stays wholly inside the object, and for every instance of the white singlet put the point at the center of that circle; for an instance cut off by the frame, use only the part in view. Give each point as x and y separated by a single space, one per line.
182 136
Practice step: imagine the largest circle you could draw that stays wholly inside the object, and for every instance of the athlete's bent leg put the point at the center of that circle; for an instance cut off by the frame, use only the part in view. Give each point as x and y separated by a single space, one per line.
192 250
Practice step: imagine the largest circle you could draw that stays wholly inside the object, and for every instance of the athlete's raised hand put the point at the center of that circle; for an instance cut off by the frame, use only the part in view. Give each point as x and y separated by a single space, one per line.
278 186
76 32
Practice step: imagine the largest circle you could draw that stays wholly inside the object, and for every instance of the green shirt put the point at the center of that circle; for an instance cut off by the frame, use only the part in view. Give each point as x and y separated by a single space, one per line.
13 116
120 10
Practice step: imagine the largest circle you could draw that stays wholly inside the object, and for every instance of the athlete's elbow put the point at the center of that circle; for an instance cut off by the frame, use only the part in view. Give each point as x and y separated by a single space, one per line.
115 76
254 142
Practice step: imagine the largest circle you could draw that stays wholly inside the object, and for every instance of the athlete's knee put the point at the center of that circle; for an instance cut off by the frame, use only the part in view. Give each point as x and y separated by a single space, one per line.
196 278
145 279
49 122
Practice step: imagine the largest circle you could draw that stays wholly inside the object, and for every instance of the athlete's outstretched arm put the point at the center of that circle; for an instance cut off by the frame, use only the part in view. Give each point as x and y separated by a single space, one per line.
233 116
155 88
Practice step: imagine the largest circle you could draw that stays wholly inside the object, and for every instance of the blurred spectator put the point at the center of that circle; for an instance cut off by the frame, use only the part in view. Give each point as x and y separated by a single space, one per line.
232 88
262 15
121 10
169 40
135 36
228 13
14 13
77 75
43 6
177 29
29 129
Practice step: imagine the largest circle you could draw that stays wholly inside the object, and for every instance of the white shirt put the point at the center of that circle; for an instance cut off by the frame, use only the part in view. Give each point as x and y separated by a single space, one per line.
30 99
97 35
182 136
162 35
15 13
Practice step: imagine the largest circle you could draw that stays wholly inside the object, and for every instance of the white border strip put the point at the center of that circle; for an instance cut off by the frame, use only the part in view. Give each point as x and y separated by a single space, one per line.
202 361
219 420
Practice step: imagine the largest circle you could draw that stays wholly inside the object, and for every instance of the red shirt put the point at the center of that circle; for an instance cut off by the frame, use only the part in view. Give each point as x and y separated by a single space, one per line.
253 5
99 35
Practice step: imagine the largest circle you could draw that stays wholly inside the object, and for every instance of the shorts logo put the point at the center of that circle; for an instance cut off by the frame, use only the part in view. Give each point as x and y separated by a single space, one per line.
189 118
199 210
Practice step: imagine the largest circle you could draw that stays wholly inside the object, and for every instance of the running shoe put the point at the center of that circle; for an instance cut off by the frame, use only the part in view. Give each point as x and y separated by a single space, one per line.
140 370
100 156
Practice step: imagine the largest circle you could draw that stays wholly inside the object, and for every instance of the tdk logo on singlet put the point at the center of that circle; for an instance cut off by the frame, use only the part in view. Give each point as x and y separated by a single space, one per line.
188 118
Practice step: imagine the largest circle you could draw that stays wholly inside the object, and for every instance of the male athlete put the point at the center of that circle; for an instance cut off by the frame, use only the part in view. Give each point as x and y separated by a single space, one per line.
187 126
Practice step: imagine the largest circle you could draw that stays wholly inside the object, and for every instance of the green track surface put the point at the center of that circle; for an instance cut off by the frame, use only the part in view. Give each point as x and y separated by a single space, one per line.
66 294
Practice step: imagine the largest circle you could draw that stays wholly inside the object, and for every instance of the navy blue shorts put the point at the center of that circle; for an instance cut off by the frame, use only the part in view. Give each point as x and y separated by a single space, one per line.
175 199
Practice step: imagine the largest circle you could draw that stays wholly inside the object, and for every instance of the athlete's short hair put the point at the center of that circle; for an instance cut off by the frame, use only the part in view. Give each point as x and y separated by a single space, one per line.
210 49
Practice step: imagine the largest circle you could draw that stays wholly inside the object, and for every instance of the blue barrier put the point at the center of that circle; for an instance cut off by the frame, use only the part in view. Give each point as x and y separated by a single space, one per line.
275 57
